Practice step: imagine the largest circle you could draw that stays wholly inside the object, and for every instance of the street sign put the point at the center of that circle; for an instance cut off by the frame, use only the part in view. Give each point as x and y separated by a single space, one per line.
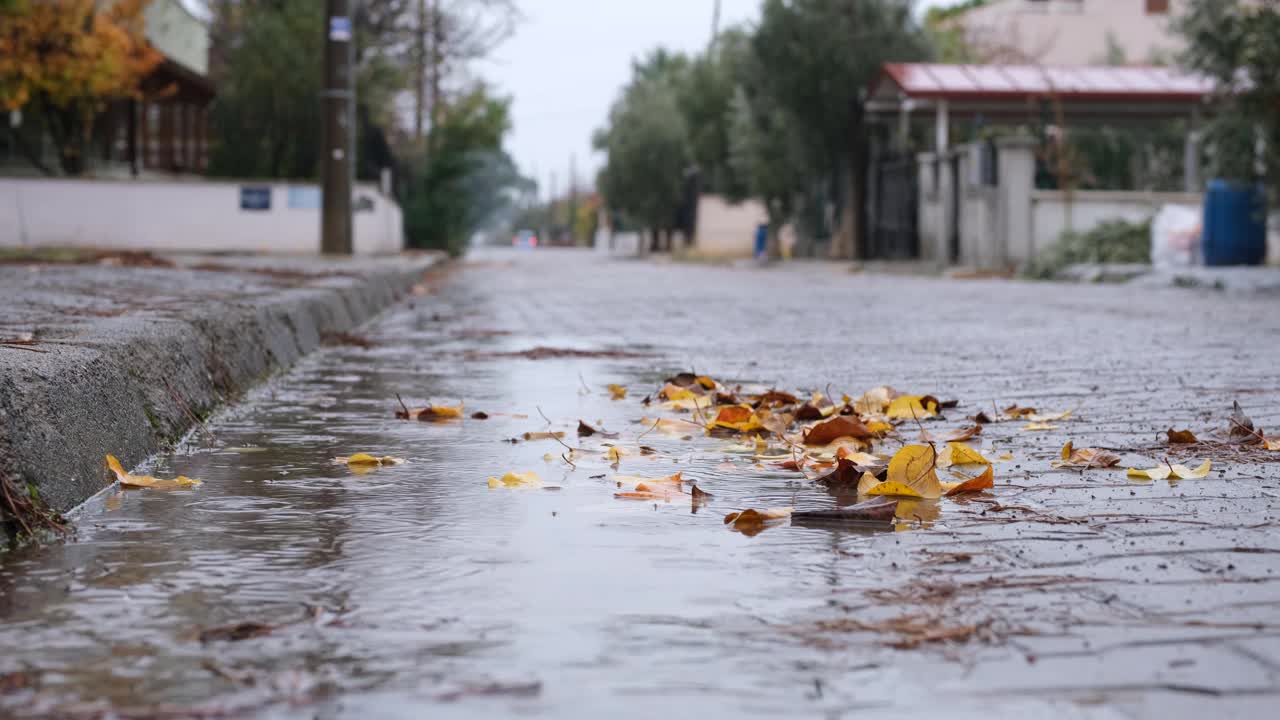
340 29
256 198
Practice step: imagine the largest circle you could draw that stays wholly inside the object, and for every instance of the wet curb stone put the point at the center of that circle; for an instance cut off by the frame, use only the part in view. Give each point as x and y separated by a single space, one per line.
133 384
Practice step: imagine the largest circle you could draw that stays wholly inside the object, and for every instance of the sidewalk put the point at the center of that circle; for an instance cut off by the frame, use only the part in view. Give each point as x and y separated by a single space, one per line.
126 354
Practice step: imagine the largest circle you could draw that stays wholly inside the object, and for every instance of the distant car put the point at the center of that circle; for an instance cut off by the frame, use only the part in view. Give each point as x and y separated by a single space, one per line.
525 239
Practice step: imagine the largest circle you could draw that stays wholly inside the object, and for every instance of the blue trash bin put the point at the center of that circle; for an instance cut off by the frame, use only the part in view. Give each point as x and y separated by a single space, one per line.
762 241
1235 224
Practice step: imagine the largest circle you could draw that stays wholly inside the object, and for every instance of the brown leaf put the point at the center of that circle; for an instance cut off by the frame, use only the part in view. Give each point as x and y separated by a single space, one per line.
879 510
795 465
836 428
237 632
1182 437
1086 457
809 411
776 398
585 430
981 418
543 436
845 476
479 415
684 380
700 496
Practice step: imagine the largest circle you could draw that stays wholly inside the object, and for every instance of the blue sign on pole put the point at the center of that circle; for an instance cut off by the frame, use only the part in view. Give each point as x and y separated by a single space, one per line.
340 28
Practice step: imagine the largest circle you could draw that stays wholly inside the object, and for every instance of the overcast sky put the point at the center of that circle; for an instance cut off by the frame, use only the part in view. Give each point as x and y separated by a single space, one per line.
569 58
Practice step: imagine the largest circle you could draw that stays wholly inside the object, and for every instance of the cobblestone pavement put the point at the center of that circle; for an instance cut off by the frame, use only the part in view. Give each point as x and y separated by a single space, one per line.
1060 594
1116 598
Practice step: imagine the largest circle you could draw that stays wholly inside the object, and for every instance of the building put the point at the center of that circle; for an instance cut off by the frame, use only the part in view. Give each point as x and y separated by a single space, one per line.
163 132
1070 32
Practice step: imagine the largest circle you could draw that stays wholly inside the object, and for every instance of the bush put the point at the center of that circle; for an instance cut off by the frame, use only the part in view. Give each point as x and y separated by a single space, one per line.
1114 241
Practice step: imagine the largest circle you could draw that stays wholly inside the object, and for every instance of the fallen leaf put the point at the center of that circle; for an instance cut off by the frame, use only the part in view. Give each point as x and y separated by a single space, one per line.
543 435
237 632
615 454
617 392
753 522
671 392
960 454
368 460
839 427
844 477
1038 426
1171 472
1004 457
866 483
1037 417
431 412
1242 427
1181 437
147 481
479 415
1014 411
517 480
776 398
963 434
1086 457
985 481
876 401
879 510
912 473
981 418
739 418
1272 445
911 407
699 495
650 488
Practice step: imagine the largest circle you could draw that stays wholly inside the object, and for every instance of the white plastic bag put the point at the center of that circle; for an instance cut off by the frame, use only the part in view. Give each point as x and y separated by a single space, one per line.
1175 236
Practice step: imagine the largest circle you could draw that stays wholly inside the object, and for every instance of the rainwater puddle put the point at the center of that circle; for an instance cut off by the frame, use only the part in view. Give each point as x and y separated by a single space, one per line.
415 589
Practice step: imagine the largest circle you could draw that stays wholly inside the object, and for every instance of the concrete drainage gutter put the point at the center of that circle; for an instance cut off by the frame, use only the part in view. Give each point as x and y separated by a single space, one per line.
125 360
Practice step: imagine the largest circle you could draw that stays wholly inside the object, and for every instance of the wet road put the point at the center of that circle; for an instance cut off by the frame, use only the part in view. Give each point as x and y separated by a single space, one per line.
416 590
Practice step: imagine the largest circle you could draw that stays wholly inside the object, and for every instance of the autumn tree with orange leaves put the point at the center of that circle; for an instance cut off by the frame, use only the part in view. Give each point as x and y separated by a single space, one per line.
63 61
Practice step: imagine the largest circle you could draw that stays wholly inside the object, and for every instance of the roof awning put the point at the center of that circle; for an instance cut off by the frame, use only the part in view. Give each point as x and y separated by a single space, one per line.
996 90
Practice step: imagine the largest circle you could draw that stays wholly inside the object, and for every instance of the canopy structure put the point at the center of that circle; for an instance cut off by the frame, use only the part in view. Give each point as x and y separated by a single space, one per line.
1022 93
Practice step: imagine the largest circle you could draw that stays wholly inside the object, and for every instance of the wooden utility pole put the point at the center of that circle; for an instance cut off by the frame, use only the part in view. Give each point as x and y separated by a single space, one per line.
337 161
420 72
715 24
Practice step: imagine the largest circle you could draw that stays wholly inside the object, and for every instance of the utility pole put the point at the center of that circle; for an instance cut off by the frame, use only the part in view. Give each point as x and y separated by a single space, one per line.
573 199
715 24
337 161
420 72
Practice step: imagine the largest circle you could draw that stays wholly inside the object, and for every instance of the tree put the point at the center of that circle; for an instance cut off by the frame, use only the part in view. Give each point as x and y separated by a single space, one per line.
464 180
817 58
266 122
705 92
646 144
1236 43
62 61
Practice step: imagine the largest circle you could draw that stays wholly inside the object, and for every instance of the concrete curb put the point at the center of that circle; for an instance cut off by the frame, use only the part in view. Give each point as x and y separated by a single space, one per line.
132 385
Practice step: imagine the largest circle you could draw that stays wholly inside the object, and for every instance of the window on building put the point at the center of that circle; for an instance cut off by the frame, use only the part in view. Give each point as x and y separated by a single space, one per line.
1157 7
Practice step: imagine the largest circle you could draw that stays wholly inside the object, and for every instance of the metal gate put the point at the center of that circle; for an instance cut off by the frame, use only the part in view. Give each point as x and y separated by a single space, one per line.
896 200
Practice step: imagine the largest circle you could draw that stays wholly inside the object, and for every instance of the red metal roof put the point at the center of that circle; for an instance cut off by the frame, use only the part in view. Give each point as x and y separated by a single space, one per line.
1018 82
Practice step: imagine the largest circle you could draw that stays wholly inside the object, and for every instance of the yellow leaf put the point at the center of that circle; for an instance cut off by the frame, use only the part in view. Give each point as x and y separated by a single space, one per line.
1039 426
1174 472
866 483
617 392
960 454
651 488
1005 457
737 417
890 487
615 454
1271 444
706 382
146 480
675 392
858 458
517 480
879 427
908 407
912 472
363 459
445 411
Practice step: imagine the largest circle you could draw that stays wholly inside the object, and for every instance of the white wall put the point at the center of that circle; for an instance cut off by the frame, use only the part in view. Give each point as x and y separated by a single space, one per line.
179 215
1068 32
726 229
1052 213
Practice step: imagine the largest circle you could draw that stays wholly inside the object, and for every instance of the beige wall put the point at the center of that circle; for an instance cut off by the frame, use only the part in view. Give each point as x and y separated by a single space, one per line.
186 216
727 229
178 34
1054 213
1069 32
